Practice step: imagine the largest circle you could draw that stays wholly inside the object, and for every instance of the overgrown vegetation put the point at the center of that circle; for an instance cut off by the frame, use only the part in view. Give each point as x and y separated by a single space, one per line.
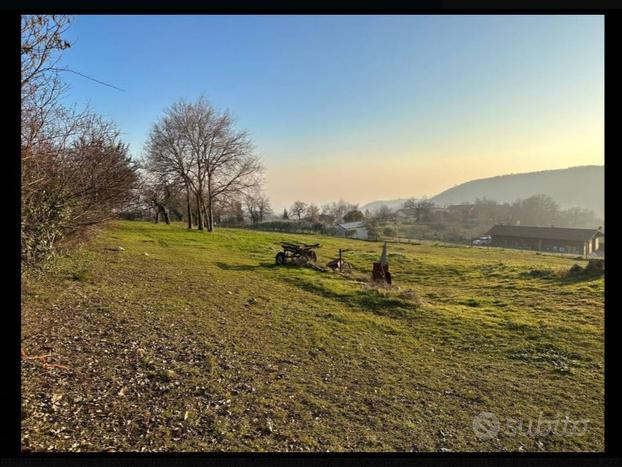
75 170
187 341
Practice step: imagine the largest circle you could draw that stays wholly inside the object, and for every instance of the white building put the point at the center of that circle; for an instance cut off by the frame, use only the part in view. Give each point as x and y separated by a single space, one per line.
358 230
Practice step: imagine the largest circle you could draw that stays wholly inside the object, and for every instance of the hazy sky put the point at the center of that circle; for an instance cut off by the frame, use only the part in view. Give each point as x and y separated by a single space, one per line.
361 107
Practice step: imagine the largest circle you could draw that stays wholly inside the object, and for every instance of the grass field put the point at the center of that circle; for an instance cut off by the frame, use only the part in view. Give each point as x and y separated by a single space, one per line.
196 341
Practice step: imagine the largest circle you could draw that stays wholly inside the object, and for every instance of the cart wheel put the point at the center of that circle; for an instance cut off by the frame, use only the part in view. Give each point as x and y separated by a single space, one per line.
280 258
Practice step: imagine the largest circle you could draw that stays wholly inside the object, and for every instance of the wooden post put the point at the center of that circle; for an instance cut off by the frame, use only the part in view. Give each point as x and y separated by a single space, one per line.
340 262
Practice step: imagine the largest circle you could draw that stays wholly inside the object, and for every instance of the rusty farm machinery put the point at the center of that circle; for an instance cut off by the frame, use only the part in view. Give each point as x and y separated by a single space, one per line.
297 254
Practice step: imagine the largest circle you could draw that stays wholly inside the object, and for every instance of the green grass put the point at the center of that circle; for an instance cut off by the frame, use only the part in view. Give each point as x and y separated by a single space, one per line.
196 341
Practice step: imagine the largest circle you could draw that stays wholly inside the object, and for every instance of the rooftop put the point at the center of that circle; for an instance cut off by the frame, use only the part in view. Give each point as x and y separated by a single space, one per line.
352 225
547 233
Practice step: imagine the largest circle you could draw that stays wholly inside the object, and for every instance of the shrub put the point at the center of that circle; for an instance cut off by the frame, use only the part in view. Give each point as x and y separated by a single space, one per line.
389 231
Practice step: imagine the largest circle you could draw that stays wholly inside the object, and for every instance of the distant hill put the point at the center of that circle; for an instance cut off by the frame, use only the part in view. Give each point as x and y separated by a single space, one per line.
576 186
582 186
393 204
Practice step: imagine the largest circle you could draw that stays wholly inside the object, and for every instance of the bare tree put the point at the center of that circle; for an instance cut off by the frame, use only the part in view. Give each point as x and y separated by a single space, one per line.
230 165
167 152
338 209
229 211
423 208
265 208
76 171
204 149
383 213
298 209
257 206
312 212
409 203
73 185
41 41
160 194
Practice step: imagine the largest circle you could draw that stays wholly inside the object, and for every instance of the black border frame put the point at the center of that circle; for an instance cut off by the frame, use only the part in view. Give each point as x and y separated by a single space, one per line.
11 454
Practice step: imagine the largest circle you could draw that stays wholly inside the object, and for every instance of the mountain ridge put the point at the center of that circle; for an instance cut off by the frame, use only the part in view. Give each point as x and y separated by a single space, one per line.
578 186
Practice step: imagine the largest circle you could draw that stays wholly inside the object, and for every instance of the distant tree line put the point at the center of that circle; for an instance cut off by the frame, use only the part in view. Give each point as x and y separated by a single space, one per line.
307 217
330 213
461 223
537 210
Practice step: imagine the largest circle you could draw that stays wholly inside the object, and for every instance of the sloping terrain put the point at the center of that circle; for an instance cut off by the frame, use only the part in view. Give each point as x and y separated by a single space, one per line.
191 341
582 186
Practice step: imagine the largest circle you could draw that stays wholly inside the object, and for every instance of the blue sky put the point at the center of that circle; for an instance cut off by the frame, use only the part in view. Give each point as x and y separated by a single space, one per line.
361 107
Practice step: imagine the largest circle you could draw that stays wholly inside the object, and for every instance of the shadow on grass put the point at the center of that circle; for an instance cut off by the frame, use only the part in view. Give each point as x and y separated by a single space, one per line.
555 277
574 279
367 299
245 267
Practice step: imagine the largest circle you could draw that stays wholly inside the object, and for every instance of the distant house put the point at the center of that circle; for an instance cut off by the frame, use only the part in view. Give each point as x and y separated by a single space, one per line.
352 229
554 239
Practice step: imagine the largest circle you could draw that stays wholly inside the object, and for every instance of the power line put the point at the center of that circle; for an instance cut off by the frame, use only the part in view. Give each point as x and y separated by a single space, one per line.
92 79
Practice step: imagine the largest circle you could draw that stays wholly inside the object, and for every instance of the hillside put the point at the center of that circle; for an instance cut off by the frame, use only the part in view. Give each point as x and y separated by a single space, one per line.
392 204
189 341
576 186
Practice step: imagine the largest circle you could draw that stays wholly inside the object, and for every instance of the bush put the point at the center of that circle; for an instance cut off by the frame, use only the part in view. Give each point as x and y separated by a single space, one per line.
389 231
42 225
354 216
134 215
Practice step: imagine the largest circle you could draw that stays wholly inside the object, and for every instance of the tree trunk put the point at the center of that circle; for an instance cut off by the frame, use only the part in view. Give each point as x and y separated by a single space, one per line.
210 214
210 211
200 224
165 214
208 223
160 209
188 210
199 213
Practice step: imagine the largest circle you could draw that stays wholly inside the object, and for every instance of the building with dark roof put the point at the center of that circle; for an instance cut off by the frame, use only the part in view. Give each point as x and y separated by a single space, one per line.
352 230
554 239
